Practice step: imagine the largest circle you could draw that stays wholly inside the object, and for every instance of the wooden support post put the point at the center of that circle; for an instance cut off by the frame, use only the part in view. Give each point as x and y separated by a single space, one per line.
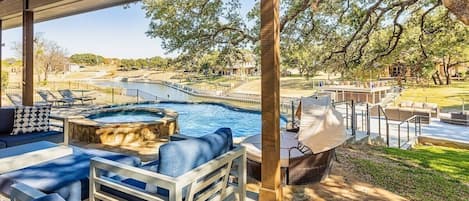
28 55
1 45
270 66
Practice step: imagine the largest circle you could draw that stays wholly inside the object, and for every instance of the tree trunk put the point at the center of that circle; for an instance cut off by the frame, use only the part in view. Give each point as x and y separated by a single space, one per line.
460 8
446 69
434 78
437 73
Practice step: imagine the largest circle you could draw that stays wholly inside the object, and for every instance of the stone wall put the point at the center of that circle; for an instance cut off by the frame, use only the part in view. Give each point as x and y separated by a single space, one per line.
86 130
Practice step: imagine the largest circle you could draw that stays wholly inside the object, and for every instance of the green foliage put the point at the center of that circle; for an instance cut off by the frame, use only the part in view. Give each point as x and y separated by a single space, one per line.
87 59
335 36
155 63
4 81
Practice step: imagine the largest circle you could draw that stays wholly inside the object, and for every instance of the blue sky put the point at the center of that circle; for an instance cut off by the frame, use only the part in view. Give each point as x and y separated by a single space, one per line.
114 32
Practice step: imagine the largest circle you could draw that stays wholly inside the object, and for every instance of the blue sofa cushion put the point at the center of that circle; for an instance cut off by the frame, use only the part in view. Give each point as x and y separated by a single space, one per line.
179 157
67 175
51 197
7 117
14 140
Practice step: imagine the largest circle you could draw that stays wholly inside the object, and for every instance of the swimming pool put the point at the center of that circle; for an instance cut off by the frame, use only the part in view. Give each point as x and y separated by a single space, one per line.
197 119
126 116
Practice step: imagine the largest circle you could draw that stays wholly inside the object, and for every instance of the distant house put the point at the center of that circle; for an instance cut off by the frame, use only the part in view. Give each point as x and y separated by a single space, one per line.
71 67
399 70
247 67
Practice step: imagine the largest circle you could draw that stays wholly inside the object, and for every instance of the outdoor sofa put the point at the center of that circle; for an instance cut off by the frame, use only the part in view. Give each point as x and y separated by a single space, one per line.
202 168
21 125
408 109
419 106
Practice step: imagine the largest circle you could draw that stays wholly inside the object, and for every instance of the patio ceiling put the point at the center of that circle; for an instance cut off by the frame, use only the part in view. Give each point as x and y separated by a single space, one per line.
11 11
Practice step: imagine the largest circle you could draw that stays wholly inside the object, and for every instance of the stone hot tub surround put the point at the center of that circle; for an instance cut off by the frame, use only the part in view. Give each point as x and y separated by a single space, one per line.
130 133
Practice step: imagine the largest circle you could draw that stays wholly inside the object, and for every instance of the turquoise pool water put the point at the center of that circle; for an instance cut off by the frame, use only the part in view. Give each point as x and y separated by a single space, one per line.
125 117
203 118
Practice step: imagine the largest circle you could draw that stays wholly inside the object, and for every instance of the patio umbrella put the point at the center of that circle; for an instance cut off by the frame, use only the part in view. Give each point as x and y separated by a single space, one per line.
321 126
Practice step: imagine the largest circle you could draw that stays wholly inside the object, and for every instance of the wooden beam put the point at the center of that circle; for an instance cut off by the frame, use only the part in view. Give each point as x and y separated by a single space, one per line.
28 55
270 66
1 45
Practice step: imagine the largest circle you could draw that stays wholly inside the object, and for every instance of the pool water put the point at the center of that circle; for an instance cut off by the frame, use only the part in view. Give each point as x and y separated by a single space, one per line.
125 117
200 119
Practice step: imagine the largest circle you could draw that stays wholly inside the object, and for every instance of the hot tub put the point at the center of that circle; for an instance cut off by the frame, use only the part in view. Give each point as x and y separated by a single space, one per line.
123 126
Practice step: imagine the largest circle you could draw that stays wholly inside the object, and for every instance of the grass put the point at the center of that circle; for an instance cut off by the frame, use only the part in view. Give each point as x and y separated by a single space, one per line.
450 161
425 173
449 98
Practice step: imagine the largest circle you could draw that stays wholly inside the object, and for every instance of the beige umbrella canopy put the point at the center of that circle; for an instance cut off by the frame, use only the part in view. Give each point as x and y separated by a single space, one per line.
321 126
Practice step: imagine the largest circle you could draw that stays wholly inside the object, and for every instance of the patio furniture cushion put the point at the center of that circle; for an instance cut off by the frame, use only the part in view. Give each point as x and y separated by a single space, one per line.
179 157
430 106
30 119
418 105
7 116
406 104
14 140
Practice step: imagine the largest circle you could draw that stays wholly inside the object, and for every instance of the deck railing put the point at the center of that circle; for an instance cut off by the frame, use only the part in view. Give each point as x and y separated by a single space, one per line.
416 119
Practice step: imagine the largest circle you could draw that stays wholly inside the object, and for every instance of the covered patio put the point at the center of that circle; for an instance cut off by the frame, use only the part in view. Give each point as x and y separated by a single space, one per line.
25 13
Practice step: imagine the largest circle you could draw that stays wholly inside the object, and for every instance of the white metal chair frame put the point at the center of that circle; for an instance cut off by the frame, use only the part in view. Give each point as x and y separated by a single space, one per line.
208 181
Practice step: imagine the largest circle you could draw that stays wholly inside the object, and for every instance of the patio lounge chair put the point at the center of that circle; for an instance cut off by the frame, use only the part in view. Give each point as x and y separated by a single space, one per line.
68 94
22 192
50 98
15 99
190 169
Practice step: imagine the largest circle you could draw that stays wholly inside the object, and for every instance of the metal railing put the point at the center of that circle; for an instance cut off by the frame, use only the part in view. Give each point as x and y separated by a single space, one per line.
381 111
417 128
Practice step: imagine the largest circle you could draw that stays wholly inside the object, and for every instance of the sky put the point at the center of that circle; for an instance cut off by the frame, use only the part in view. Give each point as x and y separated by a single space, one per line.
113 33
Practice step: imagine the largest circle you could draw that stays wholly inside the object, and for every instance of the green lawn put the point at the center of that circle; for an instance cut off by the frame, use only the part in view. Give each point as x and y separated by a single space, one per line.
425 173
449 98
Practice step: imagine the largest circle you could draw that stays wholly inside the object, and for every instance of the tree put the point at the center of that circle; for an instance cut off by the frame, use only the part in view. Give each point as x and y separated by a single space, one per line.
48 56
345 35
87 59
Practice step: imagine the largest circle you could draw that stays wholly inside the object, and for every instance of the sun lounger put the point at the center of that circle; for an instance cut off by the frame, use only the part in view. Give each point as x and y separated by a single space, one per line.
190 169
68 94
15 99
50 98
